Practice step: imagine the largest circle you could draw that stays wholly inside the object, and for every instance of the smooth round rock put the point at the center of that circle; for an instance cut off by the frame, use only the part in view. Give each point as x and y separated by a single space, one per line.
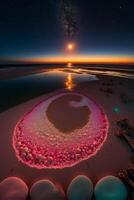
81 188
110 188
46 190
13 188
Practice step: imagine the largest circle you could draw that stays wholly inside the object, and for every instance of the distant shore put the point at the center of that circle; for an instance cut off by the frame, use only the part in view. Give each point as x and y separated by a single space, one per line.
14 71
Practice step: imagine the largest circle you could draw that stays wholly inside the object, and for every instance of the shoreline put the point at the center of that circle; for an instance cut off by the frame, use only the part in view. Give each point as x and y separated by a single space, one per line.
12 72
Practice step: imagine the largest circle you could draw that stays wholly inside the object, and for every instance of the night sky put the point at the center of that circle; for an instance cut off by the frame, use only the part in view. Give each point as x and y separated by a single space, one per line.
31 28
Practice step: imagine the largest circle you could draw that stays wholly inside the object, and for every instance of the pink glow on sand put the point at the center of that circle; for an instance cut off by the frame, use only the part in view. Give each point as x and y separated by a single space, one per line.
39 144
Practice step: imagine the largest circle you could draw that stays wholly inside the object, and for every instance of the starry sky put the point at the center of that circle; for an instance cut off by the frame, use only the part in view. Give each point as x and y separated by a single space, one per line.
33 29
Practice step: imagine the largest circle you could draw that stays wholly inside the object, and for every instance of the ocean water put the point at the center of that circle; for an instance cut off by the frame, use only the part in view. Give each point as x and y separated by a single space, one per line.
20 89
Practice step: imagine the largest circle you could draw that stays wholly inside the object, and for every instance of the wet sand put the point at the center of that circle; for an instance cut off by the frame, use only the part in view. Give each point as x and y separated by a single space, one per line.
7 73
65 117
112 157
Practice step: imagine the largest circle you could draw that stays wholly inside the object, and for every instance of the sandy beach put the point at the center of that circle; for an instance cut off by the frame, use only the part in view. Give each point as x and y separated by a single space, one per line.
113 156
72 118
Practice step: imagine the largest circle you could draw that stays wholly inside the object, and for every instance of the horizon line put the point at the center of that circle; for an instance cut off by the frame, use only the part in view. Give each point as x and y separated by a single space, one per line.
74 59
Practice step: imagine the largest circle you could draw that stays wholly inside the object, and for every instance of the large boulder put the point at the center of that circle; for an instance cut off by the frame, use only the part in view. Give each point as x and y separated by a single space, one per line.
13 188
110 188
81 188
46 190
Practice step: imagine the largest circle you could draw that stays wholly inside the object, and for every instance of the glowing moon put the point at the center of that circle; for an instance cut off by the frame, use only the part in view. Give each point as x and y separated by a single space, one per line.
70 46
60 132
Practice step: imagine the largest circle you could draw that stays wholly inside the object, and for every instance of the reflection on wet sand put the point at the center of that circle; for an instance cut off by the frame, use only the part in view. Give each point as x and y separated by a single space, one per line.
69 83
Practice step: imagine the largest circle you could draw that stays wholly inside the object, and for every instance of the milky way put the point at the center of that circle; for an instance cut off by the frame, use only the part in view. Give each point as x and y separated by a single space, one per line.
69 19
